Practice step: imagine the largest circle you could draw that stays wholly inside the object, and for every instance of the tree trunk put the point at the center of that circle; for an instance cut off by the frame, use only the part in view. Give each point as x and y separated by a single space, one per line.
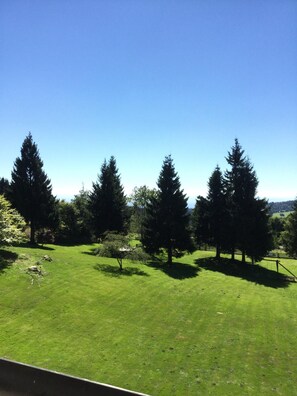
233 254
218 252
32 233
243 256
169 252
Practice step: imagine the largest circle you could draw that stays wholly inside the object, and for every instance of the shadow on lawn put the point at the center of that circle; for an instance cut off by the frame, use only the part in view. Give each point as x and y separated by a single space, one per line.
176 270
249 272
113 271
6 259
34 246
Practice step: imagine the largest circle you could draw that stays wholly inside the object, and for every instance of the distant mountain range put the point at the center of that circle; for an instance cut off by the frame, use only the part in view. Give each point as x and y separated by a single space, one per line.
285 206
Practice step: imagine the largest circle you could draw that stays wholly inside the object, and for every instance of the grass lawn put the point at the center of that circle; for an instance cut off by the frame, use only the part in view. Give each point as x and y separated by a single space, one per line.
198 328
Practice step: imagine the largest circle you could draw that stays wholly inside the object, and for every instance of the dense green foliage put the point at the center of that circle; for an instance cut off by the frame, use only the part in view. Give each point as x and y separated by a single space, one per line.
232 217
11 224
290 233
118 246
195 328
74 220
166 225
108 201
31 190
4 187
139 200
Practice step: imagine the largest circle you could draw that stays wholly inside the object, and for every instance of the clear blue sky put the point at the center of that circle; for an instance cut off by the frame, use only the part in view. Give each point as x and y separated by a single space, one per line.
145 78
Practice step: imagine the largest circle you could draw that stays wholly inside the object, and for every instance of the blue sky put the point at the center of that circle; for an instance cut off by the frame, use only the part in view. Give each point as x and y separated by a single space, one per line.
143 79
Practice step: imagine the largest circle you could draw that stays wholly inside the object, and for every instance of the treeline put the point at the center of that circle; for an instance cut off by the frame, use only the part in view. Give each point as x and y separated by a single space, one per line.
231 217
276 207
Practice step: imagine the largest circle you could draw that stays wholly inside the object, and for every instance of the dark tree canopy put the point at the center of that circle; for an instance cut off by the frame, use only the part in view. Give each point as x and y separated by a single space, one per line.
167 220
200 221
4 187
31 190
107 201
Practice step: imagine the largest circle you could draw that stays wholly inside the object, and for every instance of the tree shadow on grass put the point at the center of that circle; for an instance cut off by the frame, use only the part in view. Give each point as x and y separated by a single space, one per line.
34 246
110 270
249 272
6 259
176 270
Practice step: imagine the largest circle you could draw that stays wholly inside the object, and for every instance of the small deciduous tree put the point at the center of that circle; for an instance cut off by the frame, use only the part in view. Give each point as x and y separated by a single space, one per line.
166 225
12 224
117 246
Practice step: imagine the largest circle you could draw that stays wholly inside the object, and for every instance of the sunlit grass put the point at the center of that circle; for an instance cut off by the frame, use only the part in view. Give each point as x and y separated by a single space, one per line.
200 327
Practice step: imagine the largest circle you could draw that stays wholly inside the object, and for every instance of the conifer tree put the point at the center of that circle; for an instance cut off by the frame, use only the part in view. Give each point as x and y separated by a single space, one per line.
107 200
245 210
31 190
217 211
167 219
200 221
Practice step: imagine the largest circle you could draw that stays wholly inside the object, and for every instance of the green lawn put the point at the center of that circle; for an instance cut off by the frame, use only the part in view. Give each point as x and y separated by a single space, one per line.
198 328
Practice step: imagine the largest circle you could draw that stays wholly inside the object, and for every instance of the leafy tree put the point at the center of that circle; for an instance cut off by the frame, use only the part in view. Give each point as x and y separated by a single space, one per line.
117 246
139 200
107 201
12 223
68 230
277 226
290 233
31 190
167 221
82 209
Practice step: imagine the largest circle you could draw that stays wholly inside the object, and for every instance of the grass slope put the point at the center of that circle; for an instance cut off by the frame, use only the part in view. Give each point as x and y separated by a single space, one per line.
198 328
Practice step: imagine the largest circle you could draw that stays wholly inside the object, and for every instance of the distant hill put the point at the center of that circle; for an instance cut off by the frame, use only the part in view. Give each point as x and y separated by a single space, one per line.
285 206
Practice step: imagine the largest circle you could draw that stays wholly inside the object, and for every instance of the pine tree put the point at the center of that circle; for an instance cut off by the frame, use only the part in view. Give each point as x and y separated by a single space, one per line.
217 211
259 239
236 160
107 201
200 221
245 210
31 190
167 220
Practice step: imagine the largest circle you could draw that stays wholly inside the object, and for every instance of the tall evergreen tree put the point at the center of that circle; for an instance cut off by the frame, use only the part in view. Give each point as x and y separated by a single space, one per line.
31 190
200 221
259 239
245 210
167 220
217 211
107 200
236 160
